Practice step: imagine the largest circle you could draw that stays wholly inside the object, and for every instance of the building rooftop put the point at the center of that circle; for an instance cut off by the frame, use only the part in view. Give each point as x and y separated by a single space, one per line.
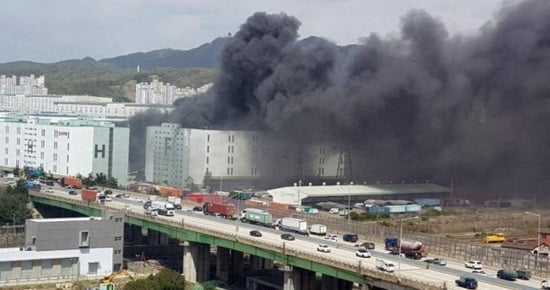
53 220
345 190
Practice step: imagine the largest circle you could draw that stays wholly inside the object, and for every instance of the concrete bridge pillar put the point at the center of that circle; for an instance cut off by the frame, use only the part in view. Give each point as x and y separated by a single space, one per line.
295 278
329 282
259 263
196 261
223 263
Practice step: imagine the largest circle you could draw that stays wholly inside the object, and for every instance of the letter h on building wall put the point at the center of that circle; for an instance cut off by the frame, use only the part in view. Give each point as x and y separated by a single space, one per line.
97 151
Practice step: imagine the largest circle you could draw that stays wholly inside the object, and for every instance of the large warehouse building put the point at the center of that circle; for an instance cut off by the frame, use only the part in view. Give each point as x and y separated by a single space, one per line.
298 195
64 145
176 155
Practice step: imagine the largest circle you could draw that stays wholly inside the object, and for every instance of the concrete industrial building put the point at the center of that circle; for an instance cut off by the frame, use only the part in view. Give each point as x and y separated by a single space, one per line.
176 155
160 93
345 194
27 85
84 105
65 145
65 248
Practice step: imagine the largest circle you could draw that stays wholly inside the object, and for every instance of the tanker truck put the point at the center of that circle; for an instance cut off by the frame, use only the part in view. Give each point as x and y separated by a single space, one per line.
392 244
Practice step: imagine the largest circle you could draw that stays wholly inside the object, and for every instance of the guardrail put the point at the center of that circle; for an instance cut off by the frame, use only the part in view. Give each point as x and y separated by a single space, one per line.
286 249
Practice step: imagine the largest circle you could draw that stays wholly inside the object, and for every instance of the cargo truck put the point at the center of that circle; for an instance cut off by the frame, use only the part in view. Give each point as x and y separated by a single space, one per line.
71 181
384 265
176 201
392 244
226 211
507 275
33 186
318 229
293 225
89 194
257 216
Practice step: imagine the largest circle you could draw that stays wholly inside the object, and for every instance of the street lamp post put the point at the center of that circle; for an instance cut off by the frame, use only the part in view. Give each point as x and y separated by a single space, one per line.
538 238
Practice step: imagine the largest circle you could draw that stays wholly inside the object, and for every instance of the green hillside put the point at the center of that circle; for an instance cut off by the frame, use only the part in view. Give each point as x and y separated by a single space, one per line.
90 77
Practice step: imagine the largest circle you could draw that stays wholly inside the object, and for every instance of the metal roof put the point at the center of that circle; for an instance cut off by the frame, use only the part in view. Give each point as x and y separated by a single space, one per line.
345 190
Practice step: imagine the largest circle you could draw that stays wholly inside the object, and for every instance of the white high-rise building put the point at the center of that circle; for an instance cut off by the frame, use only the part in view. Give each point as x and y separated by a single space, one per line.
157 92
64 145
174 155
29 85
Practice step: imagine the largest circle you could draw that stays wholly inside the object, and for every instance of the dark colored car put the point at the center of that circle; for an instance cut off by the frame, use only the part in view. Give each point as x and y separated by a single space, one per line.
49 182
507 275
287 237
197 208
255 233
147 204
366 245
349 237
413 255
436 261
178 206
119 195
73 192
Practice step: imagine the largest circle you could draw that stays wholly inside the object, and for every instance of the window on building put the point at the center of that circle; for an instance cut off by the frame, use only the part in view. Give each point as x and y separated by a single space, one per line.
18 141
55 157
231 170
18 130
67 146
232 149
207 159
46 268
118 238
5 271
66 267
26 269
233 138
118 220
67 158
6 150
41 155
231 159
7 129
55 145
42 143
55 133
17 152
227 170
67 172
93 267
84 239
228 160
117 252
208 138
43 132
208 149
229 138
54 168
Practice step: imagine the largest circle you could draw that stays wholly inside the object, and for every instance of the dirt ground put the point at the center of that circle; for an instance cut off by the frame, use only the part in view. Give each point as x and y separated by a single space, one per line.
472 222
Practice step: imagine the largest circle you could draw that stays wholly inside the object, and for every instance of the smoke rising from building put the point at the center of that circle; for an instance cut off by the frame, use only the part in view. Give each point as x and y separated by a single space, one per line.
421 105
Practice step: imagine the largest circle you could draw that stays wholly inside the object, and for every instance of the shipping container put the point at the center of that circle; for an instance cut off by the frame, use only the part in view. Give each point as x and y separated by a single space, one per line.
89 194
71 181
396 208
257 216
428 201
237 194
169 191
219 209
254 203
413 208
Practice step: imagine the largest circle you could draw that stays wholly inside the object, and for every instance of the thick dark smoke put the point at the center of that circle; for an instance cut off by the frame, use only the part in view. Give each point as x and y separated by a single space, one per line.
424 105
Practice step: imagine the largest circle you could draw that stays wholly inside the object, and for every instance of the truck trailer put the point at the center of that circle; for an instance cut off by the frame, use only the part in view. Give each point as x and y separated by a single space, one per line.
392 244
293 225
318 229
226 211
257 216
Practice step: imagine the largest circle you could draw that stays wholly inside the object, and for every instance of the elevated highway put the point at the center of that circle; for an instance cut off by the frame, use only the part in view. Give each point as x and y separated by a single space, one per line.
304 267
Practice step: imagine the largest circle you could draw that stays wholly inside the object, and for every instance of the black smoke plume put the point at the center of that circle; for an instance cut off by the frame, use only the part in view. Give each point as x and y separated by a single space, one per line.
423 105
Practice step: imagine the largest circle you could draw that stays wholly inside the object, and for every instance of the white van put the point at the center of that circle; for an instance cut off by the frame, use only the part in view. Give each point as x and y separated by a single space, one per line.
334 210
384 265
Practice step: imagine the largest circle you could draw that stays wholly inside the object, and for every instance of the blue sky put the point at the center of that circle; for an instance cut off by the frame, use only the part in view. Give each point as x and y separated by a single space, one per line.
53 30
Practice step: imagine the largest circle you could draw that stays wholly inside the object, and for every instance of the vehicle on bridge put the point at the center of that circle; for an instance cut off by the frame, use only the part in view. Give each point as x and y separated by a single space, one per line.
324 248
494 238
318 229
287 237
473 264
524 274
226 211
466 282
362 253
545 284
162 207
392 244
507 275
384 265
255 233
366 245
293 225
350 237
436 261
257 216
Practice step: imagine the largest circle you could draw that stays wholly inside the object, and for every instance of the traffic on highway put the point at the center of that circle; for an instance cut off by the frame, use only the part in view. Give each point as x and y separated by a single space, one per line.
436 270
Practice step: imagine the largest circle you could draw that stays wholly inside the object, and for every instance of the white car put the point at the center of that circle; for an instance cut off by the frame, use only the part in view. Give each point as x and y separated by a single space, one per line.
473 264
331 237
48 189
363 253
108 198
479 272
323 248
